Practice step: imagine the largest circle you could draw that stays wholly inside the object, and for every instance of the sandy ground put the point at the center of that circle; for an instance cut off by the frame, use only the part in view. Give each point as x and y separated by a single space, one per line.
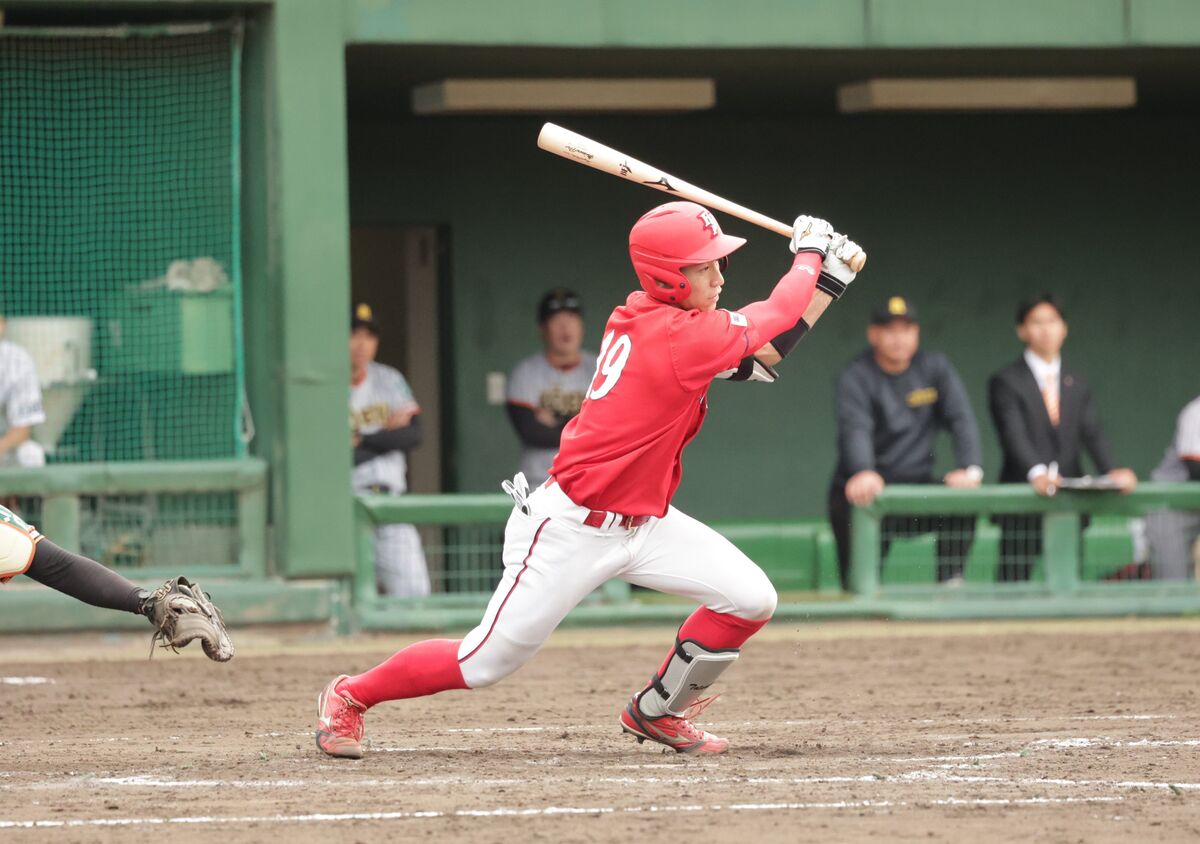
1044 731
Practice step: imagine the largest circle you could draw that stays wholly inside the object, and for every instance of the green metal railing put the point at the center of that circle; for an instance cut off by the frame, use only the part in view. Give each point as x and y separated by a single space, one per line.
61 488
1061 535
806 547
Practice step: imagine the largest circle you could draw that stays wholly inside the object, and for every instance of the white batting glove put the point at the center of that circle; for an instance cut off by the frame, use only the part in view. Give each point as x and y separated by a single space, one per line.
836 274
810 234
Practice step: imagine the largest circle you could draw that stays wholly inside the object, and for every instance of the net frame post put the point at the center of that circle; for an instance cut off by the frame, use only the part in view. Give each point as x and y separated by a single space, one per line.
60 520
252 529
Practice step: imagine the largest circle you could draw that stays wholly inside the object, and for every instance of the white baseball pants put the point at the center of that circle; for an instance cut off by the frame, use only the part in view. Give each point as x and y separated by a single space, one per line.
552 561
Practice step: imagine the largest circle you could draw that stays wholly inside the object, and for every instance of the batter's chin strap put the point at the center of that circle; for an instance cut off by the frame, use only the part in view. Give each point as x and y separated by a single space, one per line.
688 674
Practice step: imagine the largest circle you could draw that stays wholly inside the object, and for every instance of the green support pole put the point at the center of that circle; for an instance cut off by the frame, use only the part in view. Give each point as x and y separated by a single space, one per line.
364 578
1060 549
60 520
312 459
864 551
616 591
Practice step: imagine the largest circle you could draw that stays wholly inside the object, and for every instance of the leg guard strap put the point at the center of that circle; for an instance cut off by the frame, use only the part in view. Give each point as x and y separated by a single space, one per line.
691 669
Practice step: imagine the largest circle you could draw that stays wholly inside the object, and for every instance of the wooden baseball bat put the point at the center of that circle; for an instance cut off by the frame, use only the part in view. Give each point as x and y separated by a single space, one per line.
576 147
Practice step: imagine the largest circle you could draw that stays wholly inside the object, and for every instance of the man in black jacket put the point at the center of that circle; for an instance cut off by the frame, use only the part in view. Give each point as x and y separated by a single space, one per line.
891 402
1045 418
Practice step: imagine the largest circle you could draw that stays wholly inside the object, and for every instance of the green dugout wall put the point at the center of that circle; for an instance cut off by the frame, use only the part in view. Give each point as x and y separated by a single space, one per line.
962 213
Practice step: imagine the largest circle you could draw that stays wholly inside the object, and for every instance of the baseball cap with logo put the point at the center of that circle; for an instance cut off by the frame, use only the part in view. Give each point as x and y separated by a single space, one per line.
363 317
557 300
896 307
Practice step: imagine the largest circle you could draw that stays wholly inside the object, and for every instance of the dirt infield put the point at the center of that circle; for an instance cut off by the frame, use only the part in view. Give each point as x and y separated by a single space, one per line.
1071 731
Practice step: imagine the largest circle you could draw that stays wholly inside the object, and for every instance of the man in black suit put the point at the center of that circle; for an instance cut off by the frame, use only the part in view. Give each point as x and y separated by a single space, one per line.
1045 418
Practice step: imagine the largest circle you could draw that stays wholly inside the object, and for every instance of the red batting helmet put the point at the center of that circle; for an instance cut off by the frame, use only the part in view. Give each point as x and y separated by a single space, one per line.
674 235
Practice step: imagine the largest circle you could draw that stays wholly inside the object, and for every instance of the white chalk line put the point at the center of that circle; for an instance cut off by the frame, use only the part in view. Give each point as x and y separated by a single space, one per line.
544 811
595 728
909 777
26 681
1045 744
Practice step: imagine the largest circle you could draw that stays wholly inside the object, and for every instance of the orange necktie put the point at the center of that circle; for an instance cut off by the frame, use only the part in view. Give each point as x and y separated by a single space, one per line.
1050 397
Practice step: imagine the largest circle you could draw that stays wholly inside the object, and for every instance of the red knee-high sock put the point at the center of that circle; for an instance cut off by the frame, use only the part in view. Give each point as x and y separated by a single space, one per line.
425 668
715 631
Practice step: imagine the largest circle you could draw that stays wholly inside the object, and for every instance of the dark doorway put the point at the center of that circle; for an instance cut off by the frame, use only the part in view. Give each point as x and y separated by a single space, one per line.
397 270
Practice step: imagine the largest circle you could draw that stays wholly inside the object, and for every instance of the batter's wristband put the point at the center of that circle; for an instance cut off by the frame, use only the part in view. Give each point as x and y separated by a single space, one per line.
831 285
787 341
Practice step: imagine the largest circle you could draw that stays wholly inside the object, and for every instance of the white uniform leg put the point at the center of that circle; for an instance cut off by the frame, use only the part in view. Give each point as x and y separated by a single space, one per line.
682 556
1171 535
551 563
400 561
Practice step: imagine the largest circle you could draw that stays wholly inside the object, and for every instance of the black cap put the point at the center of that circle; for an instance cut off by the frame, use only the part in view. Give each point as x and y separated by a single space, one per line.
556 300
896 307
363 317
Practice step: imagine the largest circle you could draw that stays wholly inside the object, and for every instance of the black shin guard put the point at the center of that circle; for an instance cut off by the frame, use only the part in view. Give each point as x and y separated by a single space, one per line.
83 579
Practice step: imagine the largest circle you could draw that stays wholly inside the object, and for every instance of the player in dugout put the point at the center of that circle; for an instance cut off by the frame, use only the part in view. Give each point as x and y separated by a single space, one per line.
606 509
385 425
891 402
545 390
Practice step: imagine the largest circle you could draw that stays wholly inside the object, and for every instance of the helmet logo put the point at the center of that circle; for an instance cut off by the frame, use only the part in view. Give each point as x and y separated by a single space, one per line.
709 222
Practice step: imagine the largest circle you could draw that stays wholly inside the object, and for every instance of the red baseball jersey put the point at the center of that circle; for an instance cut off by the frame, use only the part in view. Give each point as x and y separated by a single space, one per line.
646 402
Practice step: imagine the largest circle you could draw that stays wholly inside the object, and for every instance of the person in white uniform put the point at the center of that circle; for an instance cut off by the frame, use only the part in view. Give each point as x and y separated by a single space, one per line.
1172 534
20 406
546 389
385 424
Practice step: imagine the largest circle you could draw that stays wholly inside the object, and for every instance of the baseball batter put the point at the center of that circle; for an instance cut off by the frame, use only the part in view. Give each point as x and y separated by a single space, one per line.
606 510
385 423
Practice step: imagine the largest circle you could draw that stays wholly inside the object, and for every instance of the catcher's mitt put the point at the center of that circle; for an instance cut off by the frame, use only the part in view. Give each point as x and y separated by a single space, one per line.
181 612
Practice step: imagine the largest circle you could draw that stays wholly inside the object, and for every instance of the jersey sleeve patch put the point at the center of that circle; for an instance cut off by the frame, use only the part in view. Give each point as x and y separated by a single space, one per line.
738 319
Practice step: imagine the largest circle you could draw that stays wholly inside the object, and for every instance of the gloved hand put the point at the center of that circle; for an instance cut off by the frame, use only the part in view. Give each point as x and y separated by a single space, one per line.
811 234
181 612
836 274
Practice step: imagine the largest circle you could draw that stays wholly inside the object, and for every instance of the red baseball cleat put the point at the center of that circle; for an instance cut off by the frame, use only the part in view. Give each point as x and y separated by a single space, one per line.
339 722
676 732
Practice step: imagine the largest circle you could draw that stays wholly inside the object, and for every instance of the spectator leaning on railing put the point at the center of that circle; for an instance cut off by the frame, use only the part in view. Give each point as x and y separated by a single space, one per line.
1044 418
891 401
1172 534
